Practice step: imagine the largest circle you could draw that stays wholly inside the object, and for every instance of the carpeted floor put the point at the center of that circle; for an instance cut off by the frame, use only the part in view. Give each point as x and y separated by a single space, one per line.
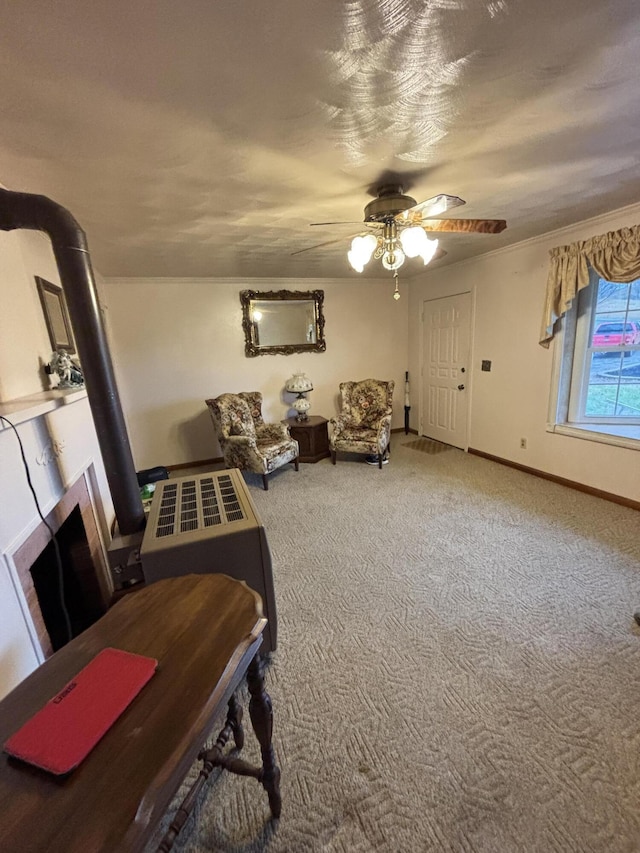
458 667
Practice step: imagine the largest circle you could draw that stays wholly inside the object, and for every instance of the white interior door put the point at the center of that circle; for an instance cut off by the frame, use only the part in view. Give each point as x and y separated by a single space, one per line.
446 331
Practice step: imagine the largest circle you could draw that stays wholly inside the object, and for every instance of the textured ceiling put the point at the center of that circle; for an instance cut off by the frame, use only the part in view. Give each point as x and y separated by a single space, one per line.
201 138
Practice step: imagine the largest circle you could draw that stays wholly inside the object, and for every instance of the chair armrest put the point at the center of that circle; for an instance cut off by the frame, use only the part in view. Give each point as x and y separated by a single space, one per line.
240 441
384 426
338 423
385 421
273 432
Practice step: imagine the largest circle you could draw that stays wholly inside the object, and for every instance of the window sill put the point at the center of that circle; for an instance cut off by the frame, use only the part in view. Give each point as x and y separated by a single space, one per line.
626 435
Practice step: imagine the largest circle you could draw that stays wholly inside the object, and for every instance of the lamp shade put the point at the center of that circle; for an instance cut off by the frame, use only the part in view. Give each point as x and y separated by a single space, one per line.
299 383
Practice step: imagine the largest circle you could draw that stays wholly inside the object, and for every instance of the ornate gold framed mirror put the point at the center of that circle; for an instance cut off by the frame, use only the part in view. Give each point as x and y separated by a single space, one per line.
282 322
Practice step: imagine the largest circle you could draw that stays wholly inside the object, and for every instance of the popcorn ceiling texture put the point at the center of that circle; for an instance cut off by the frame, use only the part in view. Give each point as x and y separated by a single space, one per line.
201 139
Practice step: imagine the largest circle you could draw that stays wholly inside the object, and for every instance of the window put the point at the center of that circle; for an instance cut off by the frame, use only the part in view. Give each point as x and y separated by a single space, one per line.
599 374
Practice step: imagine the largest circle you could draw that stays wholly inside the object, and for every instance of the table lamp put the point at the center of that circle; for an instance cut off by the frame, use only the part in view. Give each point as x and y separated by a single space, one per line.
299 384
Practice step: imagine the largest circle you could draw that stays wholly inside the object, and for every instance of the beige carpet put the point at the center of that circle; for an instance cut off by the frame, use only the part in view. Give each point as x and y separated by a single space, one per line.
458 667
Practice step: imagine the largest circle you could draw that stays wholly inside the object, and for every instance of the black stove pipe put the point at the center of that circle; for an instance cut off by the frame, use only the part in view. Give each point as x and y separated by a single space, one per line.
39 213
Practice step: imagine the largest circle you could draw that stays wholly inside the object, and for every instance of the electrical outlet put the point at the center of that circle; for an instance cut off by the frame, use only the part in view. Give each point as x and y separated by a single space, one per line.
523 443
486 365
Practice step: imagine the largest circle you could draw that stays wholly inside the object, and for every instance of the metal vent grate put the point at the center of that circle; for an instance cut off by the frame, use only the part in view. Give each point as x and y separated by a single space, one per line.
232 507
166 516
190 505
210 511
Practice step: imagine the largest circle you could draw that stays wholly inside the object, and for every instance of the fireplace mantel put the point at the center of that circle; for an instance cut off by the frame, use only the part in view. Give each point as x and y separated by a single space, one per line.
33 406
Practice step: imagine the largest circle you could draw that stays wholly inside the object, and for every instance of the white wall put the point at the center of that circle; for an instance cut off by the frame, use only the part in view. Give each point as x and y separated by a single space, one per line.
24 342
176 342
24 349
512 401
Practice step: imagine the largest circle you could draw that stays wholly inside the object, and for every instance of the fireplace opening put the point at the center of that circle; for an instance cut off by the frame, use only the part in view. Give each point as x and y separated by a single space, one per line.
87 582
82 593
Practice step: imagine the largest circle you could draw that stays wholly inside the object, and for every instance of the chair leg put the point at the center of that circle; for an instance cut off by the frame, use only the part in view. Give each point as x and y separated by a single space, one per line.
265 483
380 458
333 456
296 462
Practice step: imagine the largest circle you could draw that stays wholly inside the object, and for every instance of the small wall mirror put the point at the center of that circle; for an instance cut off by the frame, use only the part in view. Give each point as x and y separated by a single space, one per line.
282 322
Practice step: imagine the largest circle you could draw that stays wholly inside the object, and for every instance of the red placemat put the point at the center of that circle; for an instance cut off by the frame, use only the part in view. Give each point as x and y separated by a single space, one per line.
63 733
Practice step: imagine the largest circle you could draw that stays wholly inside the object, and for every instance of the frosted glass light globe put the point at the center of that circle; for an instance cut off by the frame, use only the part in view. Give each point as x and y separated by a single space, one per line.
428 251
362 247
302 406
413 241
393 260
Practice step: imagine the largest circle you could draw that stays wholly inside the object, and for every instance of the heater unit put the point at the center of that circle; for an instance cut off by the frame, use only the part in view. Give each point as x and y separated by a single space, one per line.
208 523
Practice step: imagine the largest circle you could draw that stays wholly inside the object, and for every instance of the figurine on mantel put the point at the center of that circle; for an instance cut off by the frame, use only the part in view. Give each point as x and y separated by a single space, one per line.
68 370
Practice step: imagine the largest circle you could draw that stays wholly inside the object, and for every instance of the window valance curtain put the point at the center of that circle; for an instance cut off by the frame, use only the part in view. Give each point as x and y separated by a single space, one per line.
615 256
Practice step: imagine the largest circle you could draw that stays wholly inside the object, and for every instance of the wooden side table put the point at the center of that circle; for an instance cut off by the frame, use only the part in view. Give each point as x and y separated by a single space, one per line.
205 632
312 435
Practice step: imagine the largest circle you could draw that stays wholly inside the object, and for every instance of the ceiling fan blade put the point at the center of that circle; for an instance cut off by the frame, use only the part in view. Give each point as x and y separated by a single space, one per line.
431 207
336 223
328 243
468 226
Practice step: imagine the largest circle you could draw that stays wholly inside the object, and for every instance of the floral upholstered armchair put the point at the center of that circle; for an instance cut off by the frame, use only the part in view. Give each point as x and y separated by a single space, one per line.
364 424
246 441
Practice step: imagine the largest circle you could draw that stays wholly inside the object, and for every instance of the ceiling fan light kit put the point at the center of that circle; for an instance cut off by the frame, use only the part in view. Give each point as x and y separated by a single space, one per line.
392 247
402 226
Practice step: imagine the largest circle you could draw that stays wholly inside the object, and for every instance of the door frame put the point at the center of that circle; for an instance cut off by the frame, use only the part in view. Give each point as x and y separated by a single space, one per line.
472 325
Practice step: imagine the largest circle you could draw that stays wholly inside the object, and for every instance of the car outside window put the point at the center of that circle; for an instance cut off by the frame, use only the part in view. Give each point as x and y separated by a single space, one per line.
616 334
605 384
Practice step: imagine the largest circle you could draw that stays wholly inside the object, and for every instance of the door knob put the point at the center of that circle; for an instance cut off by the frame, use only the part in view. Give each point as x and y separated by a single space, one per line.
460 387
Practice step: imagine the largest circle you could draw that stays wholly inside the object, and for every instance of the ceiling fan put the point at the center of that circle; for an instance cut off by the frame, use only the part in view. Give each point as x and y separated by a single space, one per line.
395 227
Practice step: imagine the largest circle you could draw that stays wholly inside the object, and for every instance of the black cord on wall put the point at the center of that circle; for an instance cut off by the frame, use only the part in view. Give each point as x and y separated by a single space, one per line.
54 539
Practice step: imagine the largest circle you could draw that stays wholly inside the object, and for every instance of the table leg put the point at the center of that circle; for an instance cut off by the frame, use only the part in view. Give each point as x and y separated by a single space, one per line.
261 714
234 719
212 758
268 775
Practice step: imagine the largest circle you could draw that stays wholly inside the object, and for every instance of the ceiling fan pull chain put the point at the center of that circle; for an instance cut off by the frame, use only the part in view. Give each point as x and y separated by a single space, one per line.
396 292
